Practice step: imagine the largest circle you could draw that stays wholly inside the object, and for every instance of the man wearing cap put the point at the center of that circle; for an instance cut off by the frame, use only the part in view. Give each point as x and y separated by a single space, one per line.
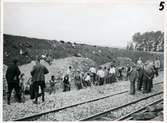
12 77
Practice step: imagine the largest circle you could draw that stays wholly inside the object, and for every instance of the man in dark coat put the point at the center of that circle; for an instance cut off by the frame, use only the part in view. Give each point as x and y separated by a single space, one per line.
66 83
148 77
12 77
78 80
38 77
140 68
133 75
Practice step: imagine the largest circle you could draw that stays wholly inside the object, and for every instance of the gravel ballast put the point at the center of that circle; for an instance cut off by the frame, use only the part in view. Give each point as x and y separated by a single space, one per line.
85 110
19 110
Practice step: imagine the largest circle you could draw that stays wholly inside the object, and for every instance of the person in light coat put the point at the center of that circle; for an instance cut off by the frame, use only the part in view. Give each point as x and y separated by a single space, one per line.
93 73
101 75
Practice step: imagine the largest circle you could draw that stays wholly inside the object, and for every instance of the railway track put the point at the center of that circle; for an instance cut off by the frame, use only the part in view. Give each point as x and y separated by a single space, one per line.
101 114
142 109
37 115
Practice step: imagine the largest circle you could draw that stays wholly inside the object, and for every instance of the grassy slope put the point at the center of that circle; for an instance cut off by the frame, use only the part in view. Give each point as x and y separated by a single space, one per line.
33 47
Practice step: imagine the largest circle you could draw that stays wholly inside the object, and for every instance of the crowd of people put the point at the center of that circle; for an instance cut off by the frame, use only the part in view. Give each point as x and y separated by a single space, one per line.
142 73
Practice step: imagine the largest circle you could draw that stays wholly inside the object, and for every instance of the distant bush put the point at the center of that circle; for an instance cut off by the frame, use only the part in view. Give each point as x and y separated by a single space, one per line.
69 43
77 55
62 41
75 43
28 45
16 47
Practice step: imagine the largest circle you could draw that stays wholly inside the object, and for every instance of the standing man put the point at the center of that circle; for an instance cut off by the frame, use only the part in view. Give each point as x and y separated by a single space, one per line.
66 83
140 68
133 75
157 66
78 80
112 74
93 73
38 77
70 73
127 71
120 69
12 77
52 83
148 77
101 75
106 72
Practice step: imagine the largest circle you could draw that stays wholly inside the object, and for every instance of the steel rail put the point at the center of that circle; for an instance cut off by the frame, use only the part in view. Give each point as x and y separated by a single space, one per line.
97 115
33 116
128 116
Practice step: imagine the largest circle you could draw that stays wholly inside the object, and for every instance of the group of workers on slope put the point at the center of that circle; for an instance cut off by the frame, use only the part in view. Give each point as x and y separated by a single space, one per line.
142 73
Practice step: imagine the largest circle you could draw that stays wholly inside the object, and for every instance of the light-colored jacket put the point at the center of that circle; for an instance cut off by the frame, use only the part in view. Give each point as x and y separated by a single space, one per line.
101 73
92 70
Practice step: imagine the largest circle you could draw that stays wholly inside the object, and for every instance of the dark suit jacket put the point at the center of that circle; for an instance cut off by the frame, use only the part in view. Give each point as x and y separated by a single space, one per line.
12 74
38 73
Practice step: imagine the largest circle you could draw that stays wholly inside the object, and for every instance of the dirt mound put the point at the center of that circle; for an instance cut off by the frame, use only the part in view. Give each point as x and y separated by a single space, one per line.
58 68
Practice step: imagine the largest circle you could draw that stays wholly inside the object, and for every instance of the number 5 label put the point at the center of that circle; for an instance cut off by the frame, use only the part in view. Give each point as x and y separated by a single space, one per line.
161 5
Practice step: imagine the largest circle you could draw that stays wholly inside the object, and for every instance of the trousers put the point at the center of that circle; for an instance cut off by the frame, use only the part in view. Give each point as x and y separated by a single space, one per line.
16 87
38 84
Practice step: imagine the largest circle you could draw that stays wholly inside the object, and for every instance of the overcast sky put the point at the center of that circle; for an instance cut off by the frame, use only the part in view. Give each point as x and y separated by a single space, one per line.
106 24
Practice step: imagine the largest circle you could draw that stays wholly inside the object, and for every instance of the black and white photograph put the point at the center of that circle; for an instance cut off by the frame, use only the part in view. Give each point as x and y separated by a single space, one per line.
83 60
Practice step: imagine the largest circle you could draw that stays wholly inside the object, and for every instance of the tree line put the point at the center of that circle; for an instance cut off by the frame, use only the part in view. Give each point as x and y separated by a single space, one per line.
148 41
